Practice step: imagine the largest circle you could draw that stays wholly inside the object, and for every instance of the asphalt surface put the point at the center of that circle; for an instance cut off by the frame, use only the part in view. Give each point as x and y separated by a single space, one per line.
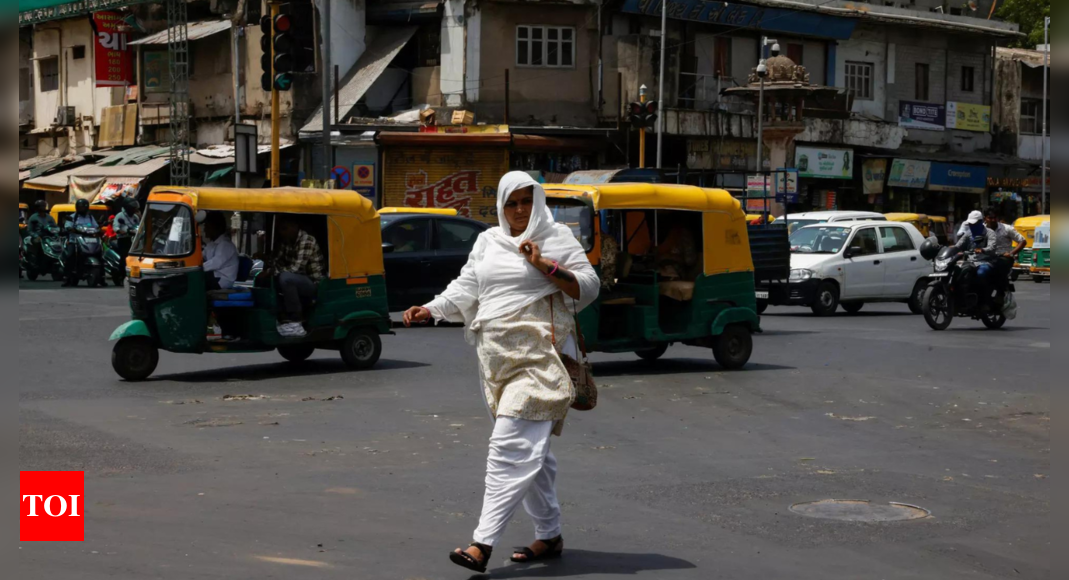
683 472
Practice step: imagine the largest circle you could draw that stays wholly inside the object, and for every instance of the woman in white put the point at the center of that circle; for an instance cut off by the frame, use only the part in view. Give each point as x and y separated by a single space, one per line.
511 295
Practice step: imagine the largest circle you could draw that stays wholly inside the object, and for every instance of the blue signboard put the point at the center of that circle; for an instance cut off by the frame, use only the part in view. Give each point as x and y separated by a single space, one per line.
958 178
746 16
923 116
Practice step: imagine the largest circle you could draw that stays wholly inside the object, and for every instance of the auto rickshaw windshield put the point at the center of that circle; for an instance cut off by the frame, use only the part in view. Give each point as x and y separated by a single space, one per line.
1042 237
580 219
166 232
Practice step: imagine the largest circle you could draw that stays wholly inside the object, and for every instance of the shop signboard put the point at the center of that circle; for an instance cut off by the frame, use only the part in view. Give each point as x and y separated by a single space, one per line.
958 178
924 116
816 163
909 173
969 117
747 16
874 175
758 187
114 67
460 178
786 186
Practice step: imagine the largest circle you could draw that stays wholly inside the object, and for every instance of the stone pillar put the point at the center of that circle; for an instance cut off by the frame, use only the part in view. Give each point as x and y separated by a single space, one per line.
779 140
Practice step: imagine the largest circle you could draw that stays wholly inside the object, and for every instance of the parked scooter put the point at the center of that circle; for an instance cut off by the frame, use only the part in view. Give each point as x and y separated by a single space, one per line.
46 260
84 258
953 292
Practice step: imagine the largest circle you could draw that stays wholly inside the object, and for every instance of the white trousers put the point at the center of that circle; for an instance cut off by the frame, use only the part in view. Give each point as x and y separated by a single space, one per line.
520 468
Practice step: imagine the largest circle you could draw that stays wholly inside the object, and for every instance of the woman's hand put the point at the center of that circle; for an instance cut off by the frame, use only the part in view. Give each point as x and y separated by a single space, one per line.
416 315
533 254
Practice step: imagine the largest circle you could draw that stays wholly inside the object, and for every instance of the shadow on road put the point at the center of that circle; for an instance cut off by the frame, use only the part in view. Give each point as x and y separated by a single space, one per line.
839 315
253 373
582 563
981 328
670 366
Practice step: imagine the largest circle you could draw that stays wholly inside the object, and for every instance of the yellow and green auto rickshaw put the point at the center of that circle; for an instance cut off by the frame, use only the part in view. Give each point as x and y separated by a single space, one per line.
172 307
919 221
940 228
1040 268
675 265
24 217
1026 226
419 210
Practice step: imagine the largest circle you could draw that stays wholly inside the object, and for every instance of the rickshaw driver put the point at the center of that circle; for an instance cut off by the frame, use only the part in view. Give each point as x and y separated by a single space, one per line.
220 255
298 263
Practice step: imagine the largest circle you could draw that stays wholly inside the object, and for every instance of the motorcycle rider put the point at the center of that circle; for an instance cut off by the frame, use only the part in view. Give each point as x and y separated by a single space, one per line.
1005 252
81 218
126 224
38 226
980 243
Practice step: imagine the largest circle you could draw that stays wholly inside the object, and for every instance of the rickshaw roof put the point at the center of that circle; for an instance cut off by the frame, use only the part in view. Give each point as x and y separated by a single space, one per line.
905 217
419 211
71 208
938 218
1032 221
24 206
649 196
290 200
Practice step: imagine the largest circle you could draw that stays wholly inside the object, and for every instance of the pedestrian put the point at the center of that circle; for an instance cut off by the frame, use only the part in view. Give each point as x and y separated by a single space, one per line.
511 295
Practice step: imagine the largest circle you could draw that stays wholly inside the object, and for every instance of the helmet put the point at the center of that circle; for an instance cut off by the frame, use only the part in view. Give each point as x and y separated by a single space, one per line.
130 205
81 206
930 249
40 205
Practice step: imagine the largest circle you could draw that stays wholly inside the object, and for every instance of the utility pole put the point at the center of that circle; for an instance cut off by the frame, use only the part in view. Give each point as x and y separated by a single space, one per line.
642 131
235 63
1046 88
328 151
276 116
762 71
660 90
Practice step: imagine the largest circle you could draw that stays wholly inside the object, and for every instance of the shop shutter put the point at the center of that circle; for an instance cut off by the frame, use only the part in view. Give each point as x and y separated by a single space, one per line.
464 179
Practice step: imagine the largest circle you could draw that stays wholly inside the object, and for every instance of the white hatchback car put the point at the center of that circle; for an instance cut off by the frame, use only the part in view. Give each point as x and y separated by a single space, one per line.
797 221
852 263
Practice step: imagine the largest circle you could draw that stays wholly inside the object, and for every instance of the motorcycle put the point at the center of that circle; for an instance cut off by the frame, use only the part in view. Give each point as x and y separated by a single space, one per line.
46 260
115 263
86 257
953 292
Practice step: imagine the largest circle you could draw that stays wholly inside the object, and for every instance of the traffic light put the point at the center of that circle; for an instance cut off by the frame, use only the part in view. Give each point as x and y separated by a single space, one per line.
643 115
277 64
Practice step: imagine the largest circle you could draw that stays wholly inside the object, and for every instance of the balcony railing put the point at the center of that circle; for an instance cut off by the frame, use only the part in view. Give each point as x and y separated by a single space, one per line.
702 92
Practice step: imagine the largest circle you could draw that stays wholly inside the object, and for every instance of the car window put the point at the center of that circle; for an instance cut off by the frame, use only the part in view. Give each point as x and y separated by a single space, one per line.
408 236
865 243
896 240
455 235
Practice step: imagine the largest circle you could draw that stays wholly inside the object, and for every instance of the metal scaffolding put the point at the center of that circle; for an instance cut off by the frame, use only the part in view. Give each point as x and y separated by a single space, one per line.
178 61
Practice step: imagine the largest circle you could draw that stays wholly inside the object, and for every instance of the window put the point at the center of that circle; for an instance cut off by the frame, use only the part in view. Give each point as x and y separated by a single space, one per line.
409 236
25 85
49 74
545 46
78 53
796 52
923 80
968 79
859 80
457 236
865 243
1032 116
166 232
896 240
723 56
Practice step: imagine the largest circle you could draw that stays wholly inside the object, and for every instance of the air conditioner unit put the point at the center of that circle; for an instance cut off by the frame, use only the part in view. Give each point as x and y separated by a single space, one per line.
65 117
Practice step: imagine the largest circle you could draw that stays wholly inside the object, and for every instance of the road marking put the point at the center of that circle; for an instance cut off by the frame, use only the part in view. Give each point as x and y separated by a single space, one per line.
293 562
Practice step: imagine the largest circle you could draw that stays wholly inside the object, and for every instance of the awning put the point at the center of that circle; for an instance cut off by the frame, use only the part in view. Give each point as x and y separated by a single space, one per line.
403 10
197 30
379 54
58 182
218 174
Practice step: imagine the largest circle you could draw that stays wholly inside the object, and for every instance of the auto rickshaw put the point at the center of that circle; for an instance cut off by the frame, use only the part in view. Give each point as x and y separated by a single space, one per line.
1026 226
1040 268
919 220
940 228
419 210
171 305
655 290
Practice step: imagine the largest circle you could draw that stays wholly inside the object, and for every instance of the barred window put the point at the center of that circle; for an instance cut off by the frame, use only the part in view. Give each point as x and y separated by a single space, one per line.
859 80
545 46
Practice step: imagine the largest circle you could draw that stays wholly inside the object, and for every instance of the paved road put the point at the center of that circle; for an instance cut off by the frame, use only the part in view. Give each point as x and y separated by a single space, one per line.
684 472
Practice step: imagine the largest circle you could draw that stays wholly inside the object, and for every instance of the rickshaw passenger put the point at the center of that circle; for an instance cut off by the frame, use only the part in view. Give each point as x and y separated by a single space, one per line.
298 263
220 255
678 252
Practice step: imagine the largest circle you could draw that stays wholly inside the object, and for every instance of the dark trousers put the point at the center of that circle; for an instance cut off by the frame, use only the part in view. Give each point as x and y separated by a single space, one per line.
297 290
211 282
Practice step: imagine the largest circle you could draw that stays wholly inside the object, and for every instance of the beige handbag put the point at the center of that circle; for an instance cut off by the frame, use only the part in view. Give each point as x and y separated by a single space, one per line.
581 372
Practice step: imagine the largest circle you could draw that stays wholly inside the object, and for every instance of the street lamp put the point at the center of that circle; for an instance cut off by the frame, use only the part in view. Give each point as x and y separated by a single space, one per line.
762 72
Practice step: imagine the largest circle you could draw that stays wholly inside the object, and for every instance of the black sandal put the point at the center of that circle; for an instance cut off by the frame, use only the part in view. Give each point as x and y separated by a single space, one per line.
554 550
466 560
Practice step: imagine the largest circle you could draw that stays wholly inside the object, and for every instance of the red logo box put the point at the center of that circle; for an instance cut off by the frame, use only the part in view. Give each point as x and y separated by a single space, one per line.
53 506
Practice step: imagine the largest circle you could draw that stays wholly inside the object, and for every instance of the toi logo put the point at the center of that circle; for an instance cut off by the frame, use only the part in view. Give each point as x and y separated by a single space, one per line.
52 506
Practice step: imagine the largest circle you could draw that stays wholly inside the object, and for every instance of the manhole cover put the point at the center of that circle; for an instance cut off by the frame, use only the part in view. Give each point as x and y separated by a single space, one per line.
860 511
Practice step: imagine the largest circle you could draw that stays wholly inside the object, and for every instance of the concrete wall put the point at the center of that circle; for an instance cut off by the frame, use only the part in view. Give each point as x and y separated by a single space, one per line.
348 32
427 86
866 47
555 96
453 49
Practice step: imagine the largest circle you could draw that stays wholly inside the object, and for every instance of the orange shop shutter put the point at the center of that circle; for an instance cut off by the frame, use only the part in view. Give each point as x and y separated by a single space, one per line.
460 178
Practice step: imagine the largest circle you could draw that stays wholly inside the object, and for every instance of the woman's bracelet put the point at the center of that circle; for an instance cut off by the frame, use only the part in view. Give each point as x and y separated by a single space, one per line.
556 266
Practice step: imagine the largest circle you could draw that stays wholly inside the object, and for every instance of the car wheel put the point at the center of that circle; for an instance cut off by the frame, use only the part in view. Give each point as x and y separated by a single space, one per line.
135 358
734 347
297 353
827 300
853 308
361 349
653 353
916 301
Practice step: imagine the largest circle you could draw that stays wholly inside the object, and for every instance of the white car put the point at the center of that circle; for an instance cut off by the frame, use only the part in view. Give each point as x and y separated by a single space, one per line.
797 221
852 263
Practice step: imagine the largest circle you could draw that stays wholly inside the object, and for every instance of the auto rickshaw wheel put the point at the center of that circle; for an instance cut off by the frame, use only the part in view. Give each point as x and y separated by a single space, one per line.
361 349
734 347
135 358
1038 279
762 306
653 353
297 353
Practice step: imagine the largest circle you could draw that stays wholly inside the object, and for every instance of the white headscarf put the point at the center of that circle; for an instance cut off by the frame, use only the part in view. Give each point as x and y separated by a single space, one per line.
497 281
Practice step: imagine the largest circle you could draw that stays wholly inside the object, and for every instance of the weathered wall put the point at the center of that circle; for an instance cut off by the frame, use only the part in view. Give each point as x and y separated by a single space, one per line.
854 132
427 86
26 83
453 49
1006 109
870 47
